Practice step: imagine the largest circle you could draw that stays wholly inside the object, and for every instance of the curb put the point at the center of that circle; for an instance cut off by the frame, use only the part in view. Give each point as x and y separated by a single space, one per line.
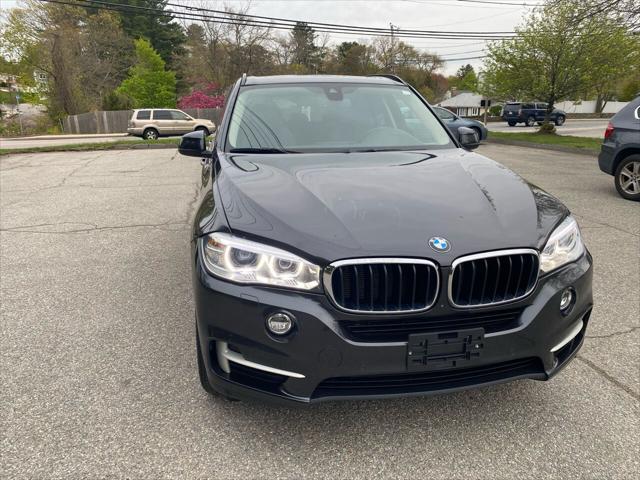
538 146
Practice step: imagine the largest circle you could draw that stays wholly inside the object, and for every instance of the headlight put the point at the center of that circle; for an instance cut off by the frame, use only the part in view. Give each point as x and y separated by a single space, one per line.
244 261
564 246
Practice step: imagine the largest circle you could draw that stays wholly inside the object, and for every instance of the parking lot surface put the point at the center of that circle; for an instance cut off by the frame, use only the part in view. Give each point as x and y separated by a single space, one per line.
98 372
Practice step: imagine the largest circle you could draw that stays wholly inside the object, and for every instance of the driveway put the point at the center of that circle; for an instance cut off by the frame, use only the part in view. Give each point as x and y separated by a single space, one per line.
98 373
573 126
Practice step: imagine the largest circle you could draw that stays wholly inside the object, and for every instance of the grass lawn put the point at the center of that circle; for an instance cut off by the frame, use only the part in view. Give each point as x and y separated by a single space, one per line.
83 147
586 143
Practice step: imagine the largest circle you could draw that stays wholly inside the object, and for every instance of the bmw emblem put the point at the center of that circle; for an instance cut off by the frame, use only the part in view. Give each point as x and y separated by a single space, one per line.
440 244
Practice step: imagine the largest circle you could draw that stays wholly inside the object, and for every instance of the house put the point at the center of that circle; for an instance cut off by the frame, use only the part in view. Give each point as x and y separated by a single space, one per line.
464 104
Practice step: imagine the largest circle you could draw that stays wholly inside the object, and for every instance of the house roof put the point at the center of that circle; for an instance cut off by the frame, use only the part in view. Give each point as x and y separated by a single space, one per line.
463 99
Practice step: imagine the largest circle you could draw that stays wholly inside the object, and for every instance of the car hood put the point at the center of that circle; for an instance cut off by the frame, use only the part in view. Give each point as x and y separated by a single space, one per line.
333 206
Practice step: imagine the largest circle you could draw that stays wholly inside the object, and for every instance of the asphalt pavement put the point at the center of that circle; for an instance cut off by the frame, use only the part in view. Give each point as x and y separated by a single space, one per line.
576 127
98 372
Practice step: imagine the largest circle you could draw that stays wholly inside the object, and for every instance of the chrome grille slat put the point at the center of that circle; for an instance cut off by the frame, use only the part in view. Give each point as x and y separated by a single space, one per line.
500 273
382 285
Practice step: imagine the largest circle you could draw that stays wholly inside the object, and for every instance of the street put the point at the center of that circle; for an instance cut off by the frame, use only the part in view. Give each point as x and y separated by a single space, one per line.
577 127
56 140
98 361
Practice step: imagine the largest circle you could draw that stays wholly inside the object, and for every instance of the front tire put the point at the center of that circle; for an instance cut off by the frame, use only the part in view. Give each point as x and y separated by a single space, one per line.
150 134
512 124
559 120
627 178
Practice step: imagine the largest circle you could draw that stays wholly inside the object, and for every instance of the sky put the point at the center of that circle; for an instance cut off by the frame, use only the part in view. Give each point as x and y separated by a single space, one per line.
458 15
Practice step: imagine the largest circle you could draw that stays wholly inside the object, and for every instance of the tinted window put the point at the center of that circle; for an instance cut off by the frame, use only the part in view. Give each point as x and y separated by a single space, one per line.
543 106
512 107
144 115
176 115
444 114
332 117
162 115
527 106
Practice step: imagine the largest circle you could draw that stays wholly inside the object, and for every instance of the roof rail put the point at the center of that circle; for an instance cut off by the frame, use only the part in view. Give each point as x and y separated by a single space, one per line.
390 76
244 79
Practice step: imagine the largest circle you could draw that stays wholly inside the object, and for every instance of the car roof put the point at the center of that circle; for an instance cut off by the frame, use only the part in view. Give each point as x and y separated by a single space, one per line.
288 79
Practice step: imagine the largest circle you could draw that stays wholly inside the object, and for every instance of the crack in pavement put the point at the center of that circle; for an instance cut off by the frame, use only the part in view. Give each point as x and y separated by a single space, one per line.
609 335
604 374
93 227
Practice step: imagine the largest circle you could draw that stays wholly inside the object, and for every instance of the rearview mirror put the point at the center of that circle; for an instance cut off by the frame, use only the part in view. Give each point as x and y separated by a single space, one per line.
194 144
468 138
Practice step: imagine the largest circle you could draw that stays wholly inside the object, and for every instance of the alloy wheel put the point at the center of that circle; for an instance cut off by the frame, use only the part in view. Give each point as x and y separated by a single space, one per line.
629 178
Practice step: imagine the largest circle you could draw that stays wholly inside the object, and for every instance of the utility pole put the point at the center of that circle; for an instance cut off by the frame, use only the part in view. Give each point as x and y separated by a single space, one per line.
393 47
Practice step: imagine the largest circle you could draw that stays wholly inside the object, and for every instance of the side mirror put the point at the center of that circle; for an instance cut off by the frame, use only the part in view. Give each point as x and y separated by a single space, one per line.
194 144
468 138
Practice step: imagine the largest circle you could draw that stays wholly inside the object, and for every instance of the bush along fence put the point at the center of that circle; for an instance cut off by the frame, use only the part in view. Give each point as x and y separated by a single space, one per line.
116 121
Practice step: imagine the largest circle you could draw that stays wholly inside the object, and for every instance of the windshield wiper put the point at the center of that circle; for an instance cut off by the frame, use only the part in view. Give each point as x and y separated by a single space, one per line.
261 150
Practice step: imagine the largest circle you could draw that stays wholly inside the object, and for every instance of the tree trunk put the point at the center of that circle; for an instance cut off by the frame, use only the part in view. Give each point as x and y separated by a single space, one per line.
547 126
601 102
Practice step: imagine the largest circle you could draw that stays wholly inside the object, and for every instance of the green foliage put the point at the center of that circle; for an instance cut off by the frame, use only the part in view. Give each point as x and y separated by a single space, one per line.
305 51
465 79
149 84
166 36
630 89
558 54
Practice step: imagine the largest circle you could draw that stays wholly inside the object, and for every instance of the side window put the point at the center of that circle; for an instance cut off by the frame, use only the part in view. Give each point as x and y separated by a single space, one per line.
162 115
176 115
144 115
542 106
527 106
444 114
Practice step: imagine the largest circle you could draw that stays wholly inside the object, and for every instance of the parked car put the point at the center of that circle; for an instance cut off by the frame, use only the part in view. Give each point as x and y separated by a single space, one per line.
530 114
620 150
151 123
453 122
341 252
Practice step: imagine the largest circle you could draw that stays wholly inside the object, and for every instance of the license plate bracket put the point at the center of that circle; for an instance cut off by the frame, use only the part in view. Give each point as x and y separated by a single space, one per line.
444 350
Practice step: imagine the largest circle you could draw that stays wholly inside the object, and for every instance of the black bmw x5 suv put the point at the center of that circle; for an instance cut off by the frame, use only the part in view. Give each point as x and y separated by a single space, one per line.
340 251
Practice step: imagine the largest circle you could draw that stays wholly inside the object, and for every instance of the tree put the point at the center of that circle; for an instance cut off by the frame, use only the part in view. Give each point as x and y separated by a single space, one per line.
149 84
85 55
154 22
303 45
611 60
550 59
465 78
354 58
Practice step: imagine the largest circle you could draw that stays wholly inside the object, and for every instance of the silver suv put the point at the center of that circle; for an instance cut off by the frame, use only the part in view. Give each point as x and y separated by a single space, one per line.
151 123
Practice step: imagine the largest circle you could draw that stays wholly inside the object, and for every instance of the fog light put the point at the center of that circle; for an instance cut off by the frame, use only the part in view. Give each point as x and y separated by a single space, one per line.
279 323
567 300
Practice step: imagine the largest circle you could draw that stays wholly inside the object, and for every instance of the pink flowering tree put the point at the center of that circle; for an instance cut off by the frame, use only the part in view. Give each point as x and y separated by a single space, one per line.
205 96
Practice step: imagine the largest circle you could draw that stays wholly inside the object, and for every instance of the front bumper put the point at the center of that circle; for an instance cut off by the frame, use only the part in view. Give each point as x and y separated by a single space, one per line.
234 340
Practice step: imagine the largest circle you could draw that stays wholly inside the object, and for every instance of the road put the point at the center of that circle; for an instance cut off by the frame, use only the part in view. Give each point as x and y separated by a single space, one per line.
574 127
97 347
56 140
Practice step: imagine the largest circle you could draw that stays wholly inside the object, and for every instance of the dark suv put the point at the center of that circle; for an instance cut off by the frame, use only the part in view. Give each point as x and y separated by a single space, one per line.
620 151
346 244
530 114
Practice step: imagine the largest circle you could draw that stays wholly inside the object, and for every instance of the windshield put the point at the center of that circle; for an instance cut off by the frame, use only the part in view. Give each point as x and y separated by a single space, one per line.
332 117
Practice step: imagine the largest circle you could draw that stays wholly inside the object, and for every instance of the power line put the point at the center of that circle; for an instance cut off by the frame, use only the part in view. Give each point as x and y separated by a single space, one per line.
275 23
